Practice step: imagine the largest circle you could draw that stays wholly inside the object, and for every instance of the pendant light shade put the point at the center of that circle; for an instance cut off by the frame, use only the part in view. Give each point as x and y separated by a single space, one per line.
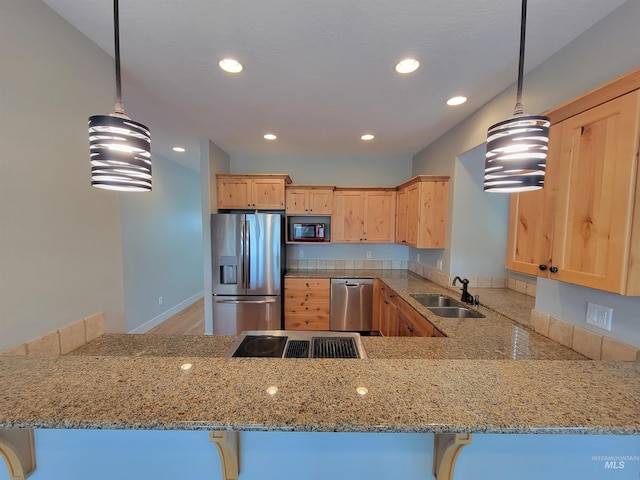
119 148
517 147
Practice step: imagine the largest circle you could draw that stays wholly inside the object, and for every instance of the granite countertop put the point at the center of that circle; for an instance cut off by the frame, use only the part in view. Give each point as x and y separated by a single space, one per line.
504 333
463 383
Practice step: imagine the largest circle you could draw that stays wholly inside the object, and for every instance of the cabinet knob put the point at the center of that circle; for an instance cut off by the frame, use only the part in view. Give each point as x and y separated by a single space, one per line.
542 267
553 269
410 329
404 241
434 335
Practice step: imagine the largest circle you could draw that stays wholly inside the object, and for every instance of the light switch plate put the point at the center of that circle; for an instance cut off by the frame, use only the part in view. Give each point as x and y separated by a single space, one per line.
599 316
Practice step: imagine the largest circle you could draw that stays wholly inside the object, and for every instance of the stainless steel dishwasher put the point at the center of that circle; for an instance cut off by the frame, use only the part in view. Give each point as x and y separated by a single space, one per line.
351 304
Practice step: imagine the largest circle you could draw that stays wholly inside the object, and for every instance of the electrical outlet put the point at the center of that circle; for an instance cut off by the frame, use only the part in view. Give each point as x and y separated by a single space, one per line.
599 316
159 300
439 264
301 254
368 253
418 258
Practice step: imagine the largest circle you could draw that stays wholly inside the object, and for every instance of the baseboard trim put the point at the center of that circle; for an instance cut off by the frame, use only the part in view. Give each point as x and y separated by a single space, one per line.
154 322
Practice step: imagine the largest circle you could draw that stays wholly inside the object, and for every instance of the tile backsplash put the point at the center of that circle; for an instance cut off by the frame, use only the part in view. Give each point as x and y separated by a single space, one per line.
64 339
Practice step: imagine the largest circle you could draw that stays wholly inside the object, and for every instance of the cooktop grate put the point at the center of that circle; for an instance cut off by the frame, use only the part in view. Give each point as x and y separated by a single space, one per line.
297 349
334 347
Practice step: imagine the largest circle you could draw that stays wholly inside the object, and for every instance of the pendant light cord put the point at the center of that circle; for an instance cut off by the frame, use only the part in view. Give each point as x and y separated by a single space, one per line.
119 108
523 27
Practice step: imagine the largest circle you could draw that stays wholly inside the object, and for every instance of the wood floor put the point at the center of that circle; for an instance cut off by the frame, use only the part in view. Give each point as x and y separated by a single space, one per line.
189 321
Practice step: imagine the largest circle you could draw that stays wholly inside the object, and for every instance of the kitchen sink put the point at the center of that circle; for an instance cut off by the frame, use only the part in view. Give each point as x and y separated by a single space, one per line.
434 300
455 312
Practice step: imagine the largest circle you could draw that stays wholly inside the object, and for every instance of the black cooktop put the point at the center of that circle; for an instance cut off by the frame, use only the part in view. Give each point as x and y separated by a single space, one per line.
261 346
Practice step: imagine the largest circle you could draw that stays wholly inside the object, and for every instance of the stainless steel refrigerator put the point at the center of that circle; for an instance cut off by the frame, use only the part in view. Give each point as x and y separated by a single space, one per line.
248 266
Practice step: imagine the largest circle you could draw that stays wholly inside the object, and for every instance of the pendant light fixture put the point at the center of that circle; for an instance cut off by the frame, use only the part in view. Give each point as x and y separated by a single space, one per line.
120 149
517 147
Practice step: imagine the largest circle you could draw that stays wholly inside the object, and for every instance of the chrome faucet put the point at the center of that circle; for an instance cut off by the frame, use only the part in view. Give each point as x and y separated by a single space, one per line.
466 296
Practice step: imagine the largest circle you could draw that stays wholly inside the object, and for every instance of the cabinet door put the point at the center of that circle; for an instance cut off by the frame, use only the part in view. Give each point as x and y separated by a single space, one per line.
377 303
432 222
320 202
379 216
401 216
347 219
267 193
413 214
297 202
389 319
531 218
234 193
597 174
405 327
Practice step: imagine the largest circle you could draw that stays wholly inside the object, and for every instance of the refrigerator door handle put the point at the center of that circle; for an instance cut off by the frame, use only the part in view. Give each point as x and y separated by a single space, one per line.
247 247
269 300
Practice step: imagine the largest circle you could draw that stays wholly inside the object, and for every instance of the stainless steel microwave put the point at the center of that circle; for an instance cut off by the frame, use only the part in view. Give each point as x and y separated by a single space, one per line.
308 232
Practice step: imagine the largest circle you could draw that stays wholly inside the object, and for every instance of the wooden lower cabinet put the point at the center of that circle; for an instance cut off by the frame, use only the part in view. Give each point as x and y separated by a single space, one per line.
307 303
393 317
417 325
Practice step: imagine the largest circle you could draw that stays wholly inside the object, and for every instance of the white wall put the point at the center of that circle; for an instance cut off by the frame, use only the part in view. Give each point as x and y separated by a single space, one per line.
603 52
60 254
162 245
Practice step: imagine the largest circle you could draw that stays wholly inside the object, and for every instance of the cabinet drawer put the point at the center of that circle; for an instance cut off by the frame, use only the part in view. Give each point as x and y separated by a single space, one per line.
307 290
301 321
306 308
307 283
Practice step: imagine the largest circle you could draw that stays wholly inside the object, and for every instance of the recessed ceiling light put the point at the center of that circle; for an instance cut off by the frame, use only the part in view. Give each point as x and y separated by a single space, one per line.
179 149
270 136
230 65
456 101
407 65
367 136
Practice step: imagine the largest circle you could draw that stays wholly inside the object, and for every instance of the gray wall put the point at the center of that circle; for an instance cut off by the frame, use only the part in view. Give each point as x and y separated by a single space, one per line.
162 245
60 254
479 221
212 160
603 52
369 170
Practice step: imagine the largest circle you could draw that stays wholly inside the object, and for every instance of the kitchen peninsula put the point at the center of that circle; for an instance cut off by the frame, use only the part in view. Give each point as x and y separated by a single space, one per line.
464 383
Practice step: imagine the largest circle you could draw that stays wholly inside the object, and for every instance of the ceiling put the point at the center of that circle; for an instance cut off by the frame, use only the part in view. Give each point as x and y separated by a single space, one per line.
321 73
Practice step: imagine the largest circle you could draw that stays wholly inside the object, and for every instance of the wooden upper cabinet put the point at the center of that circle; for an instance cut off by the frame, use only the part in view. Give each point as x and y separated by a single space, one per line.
248 192
423 212
379 216
584 226
363 215
309 200
401 215
594 219
530 233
